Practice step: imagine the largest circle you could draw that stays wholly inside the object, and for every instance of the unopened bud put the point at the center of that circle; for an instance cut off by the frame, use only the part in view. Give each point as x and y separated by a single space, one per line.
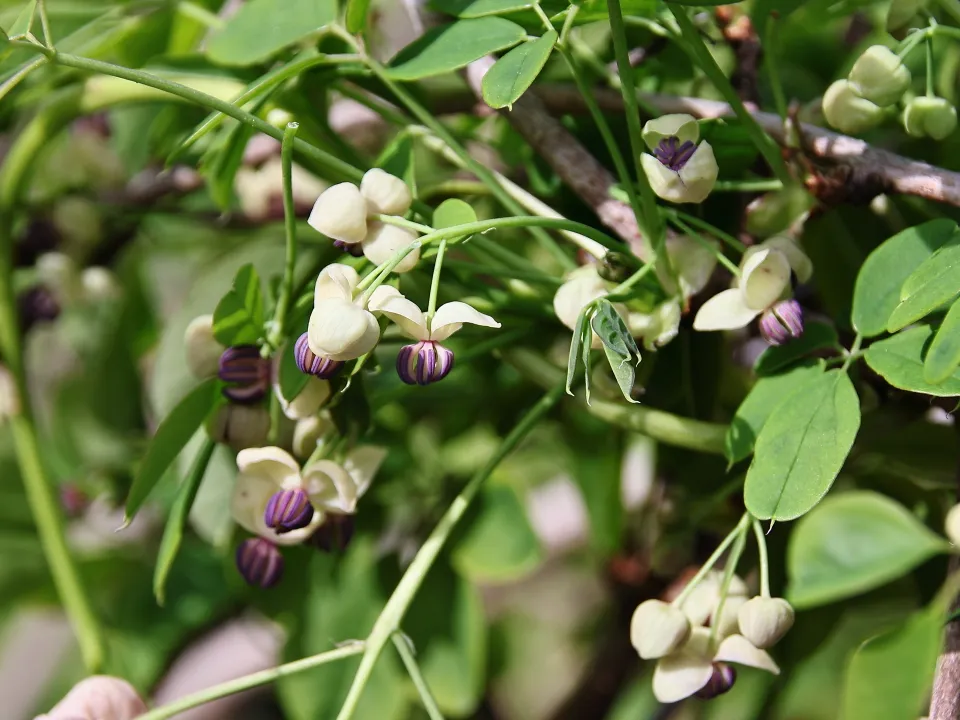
279 118
312 364
657 629
424 363
240 426
764 620
246 371
782 323
952 525
334 534
728 620
99 284
260 562
9 395
880 76
722 680
384 193
340 213
930 117
59 273
202 349
288 510
847 111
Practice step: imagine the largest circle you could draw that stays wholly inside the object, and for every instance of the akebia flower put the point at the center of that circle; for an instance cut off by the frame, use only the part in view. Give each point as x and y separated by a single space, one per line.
880 76
693 263
679 169
428 361
658 629
764 620
288 510
384 193
384 241
309 363
847 111
259 562
335 488
580 288
930 117
202 349
782 323
246 372
340 213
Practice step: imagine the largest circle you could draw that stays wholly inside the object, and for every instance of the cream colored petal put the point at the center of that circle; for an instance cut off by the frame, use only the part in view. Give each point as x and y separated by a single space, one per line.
724 311
385 194
363 463
273 463
797 258
385 241
699 175
680 125
580 288
308 402
202 349
728 623
406 315
379 296
737 649
335 281
680 674
658 327
451 316
340 213
99 698
308 433
693 261
341 330
251 493
330 487
764 276
665 182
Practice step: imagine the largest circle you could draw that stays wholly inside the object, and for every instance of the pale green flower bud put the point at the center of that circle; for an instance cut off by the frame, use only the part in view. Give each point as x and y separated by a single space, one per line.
764 620
680 125
847 111
880 76
902 13
9 395
59 274
385 193
202 349
658 629
930 117
952 525
679 177
340 213
279 118
240 426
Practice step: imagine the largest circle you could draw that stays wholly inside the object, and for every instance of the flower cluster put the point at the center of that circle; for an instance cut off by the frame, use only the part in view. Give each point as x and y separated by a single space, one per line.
693 640
679 169
342 212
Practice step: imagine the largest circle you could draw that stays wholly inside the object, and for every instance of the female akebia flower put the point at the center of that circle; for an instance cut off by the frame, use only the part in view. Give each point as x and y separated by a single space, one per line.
580 288
764 277
428 361
679 170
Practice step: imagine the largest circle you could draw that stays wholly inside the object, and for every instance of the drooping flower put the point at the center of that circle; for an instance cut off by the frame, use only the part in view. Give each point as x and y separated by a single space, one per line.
880 76
658 629
848 111
288 510
764 620
384 193
311 398
933 117
310 363
428 361
679 169
340 213
782 323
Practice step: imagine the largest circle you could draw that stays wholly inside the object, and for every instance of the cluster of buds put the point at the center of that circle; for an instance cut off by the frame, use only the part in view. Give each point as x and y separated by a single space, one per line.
70 285
765 273
877 80
282 504
678 168
343 213
695 640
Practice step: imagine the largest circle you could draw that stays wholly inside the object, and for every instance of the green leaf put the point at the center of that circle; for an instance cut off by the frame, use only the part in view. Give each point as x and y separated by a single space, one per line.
238 319
889 676
582 334
453 212
24 20
171 436
802 447
173 530
935 282
877 290
512 74
262 27
764 397
451 47
943 357
357 15
222 160
702 3
899 360
816 336
498 545
618 344
852 543
479 8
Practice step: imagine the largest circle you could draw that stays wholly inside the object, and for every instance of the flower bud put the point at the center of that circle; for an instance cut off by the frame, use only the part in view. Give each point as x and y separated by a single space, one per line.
385 241
764 620
952 524
247 372
240 426
930 116
680 171
782 322
722 680
657 629
880 76
340 213
384 193
260 562
424 363
202 349
847 111
334 534
312 364
99 284
684 128
902 13
59 273
279 118
9 395
288 510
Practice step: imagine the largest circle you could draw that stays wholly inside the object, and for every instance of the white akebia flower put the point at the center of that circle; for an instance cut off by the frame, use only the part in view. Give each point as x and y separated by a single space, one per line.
679 170
427 361
308 401
341 328
385 194
309 432
580 288
658 327
764 277
340 213
704 600
335 488
692 261
384 241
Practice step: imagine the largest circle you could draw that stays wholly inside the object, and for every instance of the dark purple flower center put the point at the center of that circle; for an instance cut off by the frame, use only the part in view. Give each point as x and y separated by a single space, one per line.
674 154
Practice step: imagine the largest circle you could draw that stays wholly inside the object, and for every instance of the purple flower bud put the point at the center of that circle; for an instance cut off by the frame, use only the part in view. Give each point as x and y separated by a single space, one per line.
424 363
311 363
355 249
720 682
674 154
288 510
260 562
334 534
782 322
73 500
247 372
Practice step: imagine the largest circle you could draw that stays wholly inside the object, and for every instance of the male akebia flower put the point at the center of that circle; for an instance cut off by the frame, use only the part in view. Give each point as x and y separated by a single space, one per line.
679 170
246 372
782 323
848 111
933 117
764 620
259 562
309 363
658 629
428 361
880 76
288 510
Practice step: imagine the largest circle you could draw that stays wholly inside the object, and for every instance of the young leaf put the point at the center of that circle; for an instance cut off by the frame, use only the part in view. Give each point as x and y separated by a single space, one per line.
581 334
222 160
618 344
852 543
451 47
943 357
512 74
453 212
802 447
238 319
899 360
816 336
261 28
877 290
173 530
357 15
171 436
586 357
934 283
479 8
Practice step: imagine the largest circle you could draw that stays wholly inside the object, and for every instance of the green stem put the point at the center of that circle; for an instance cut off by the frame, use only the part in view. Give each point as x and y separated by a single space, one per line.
767 147
717 253
765 185
45 23
708 565
402 222
396 607
854 352
614 295
764 561
729 569
503 272
929 53
435 281
264 677
379 274
707 227
770 57
410 661
11 82
290 227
